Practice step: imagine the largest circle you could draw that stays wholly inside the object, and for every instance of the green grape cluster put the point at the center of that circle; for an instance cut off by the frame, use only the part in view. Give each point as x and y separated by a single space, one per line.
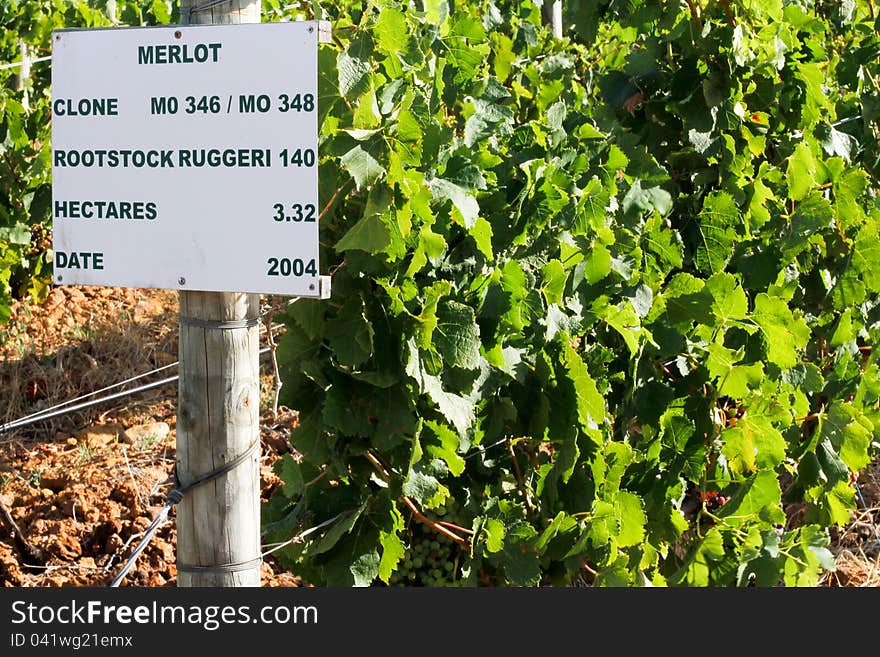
431 558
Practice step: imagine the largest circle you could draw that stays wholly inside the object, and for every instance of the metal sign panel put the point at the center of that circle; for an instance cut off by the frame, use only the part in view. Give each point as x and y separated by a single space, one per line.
185 157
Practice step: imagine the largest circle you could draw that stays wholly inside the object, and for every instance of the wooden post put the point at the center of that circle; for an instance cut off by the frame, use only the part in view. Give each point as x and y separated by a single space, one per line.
21 78
218 413
551 14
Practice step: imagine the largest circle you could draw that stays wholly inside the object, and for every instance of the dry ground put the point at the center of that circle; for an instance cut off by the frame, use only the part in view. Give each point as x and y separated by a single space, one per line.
81 488
77 491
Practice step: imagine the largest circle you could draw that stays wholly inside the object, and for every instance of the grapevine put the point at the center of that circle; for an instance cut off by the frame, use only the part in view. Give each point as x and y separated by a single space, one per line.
610 294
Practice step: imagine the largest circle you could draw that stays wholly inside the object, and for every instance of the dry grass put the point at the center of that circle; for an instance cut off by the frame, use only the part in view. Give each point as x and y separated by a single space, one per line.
78 345
857 546
853 570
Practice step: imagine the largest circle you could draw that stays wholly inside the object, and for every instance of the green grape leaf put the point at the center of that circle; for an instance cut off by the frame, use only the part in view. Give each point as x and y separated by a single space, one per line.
590 404
354 74
598 264
519 556
759 496
696 570
554 281
445 447
840 502
391 31
457 336
625 321
369 234
632 519
362 166
337 530
651 199
466 205
355 562
728 298
481 232
288 470
495 533
350 333
457 409
801 173
752 444
784 334
812 215
717 221
591 208
850 432
393 551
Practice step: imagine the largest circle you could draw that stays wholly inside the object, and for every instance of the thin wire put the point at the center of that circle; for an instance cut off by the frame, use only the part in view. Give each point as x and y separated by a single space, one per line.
30 61
175 496
206 6
162 516
17 424
302 535
70 409
97 392
145 541
47 413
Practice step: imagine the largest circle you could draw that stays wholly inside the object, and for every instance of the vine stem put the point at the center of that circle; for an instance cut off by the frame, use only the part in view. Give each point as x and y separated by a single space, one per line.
417 513
372 458
433 524
273 349
26 548
519 478
695 14
455 527
744 535
586 567
730 18
872 79
332 200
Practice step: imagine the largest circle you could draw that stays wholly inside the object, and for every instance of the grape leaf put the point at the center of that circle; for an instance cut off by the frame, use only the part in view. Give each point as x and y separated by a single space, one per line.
391 30
362 166
784 334
457 336
717 221
850 432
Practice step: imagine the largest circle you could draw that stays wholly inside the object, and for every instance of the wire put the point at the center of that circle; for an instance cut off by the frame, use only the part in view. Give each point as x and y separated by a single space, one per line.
65 409
205 7
29 61
54 411
175 495
97 392
145 541
296 539
16 424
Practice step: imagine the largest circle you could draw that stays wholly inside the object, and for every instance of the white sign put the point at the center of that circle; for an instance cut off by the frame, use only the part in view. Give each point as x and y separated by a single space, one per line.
185 157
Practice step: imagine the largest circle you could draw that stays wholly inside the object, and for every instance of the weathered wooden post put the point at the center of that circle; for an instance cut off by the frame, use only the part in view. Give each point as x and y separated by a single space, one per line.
218 412
551 14
20 79
210 162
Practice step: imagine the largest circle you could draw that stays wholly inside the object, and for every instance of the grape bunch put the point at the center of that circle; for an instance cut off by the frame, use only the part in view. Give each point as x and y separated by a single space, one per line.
41 240
431 559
